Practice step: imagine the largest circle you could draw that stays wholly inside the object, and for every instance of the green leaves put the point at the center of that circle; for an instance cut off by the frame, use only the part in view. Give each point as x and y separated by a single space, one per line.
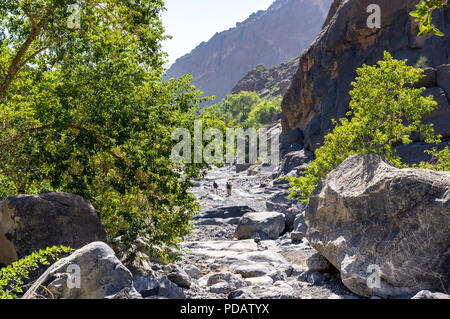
12 277
385 110
423 13
247 109
92 115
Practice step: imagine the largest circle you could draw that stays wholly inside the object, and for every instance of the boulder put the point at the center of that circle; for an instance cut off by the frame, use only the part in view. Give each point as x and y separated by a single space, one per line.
426 294
294 161
317 262
223 282
372 220
158 287
270 223
32 222
101 275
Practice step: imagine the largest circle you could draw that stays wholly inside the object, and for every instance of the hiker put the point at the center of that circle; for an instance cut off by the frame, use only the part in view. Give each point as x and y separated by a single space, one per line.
229 188
215 186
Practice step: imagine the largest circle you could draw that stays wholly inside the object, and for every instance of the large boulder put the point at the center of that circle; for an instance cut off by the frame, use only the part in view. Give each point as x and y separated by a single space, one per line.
101 275
271 224
369 218
32 222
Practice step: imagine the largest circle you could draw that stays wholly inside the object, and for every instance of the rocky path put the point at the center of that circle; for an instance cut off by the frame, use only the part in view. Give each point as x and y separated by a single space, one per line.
216 265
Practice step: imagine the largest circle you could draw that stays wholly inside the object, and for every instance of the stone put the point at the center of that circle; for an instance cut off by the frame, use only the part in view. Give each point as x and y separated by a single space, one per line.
317 262
102 275
180 278
294 160
297 236
224 212
300 224
152 287
248 270
193 271
223 282
426 294
429 79
443 78
32 222
270 223
367 216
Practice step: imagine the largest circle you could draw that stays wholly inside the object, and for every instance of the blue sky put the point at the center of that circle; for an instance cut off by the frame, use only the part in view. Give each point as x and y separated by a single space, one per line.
192 21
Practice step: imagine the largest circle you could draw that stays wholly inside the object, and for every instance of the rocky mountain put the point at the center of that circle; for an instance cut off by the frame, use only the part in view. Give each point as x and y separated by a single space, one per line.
320 89
268 83
267 37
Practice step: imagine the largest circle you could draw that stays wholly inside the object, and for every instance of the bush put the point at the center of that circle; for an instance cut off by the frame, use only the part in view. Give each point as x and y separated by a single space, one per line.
384 111
12 277
247 109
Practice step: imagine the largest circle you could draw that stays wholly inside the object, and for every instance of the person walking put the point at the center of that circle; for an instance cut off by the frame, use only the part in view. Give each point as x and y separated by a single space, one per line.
229 186
215 187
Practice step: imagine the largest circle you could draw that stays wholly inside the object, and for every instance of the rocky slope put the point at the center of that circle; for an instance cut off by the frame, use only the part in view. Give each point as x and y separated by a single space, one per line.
320 89
268 83
266 37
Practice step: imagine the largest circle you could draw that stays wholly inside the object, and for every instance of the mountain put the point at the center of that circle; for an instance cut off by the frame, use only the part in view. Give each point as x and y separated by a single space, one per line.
268 83
319 91
267 37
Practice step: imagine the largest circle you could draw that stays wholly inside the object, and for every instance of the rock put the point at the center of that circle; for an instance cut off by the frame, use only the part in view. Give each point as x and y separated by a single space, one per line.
297 236
102 275
279 202
270 223
32 222
193 271
319 91
300 224
259 281
295 161
292 142
315 277
278 275
429 79
440 117
443 78
426 294
367 215
248 270
180 278
224 212
317 262
241 294
223 282
152 287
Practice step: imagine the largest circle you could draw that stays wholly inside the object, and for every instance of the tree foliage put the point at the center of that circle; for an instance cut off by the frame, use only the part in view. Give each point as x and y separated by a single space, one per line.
12 277
423 13
247 109
385 110
87 111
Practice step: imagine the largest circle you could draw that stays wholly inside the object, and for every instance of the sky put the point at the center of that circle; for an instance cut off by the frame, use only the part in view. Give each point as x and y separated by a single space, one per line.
190 22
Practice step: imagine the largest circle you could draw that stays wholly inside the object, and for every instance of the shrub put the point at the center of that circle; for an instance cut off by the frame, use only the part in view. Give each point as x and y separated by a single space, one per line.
384 111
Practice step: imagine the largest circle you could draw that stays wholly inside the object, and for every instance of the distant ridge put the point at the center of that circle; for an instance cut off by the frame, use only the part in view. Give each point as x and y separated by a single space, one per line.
266 37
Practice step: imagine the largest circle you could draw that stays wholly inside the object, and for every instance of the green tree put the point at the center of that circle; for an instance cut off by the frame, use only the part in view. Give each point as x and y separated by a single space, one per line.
262 114
423 13
87 111
247 109
384 111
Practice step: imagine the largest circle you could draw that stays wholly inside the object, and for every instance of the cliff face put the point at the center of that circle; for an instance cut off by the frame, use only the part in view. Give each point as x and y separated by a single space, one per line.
320 89
268 83
266 37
